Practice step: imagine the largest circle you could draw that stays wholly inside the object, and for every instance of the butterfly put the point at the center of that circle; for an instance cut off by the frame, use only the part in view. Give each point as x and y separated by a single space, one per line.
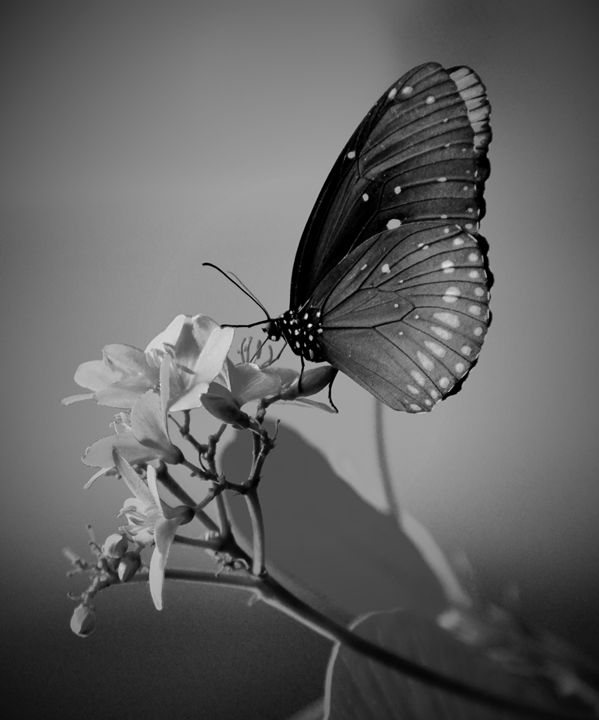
390 283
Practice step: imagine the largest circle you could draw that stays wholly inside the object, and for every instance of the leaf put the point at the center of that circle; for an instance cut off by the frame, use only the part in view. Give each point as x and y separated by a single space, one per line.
358 688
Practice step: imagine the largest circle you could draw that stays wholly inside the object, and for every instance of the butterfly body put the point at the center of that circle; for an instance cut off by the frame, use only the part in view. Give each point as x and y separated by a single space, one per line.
390 282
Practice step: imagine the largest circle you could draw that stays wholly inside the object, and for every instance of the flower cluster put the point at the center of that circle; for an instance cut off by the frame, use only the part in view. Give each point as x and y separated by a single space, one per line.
184 368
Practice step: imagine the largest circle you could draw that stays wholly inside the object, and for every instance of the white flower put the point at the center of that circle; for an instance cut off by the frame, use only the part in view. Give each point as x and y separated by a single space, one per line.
140 439
187 355
150 521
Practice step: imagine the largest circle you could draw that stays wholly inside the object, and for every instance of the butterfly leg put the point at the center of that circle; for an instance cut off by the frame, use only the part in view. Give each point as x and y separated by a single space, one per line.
299 382
335 408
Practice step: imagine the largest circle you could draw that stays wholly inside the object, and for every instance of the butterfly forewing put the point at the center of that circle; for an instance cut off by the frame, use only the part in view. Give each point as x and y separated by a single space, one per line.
405 313
419 155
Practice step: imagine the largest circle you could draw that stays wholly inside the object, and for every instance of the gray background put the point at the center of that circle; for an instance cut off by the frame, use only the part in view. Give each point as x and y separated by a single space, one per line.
140 139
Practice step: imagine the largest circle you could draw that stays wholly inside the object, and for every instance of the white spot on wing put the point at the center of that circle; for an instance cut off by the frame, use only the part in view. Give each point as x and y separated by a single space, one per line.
393 223
458 241
444 382
451 294
397 189
474 309
466 350
413 390
424 360
430 100
407 90
447 266
365 197
447 318
478 331
435 348
351 154
392 93
479 292
418 376
441 332
460 367
386 269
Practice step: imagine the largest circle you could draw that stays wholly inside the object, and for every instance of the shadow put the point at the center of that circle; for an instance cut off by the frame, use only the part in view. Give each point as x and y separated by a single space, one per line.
324 536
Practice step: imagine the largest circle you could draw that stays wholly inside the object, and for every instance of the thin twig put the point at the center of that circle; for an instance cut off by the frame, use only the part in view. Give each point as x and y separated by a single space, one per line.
186 434
173 486
258 534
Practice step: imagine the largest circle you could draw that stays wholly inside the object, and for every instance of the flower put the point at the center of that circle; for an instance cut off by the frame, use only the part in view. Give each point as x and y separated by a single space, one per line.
118 379
149 520
188 355
128 565
248 381
241 384
83 620
141 438
192 352
115 546
312 382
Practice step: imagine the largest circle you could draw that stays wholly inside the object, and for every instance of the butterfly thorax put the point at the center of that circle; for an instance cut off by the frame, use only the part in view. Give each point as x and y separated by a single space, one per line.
302 330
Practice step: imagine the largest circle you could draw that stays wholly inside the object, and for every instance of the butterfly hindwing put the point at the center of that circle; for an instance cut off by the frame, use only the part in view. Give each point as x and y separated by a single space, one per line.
419 155
405 313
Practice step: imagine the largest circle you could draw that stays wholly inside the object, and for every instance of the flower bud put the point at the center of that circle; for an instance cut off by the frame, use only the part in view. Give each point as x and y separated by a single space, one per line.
83 621
225 410
128 565
115 546
312 381
184 513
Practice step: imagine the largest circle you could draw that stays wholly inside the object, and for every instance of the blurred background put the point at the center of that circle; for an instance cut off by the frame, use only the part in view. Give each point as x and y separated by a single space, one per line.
140 139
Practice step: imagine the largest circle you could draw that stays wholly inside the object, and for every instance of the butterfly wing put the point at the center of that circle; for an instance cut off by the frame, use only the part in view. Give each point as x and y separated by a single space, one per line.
406 312
418 155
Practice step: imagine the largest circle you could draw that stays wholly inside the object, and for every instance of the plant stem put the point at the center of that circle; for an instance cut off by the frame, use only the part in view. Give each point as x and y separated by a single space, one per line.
223 515
255 513
173 486
278 597
197 542
184 430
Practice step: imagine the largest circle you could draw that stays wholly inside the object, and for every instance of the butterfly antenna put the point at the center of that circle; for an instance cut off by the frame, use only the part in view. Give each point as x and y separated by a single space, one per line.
232 278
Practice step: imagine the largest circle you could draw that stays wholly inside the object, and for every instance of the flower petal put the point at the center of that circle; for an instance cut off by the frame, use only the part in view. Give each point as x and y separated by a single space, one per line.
125 359
169 336
164 535
225 409
96 475
135 482
99 454
71 399
214 352
312 403
95 375
120 396
153 487
249 382
149 427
